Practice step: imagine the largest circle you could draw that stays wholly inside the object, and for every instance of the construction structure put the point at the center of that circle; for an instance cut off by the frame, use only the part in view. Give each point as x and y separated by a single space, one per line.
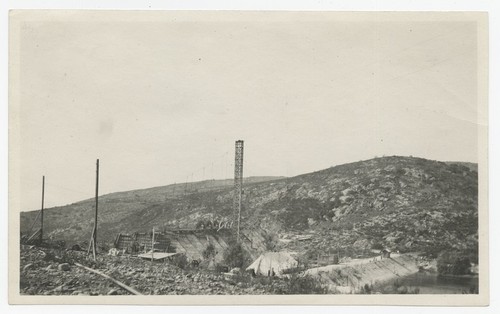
238 184
191 242
142 242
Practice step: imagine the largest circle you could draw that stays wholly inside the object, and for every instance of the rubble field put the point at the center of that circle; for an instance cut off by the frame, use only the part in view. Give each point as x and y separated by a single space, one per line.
53 272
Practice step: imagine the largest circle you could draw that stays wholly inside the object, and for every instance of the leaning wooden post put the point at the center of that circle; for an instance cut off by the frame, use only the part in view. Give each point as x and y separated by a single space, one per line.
41 211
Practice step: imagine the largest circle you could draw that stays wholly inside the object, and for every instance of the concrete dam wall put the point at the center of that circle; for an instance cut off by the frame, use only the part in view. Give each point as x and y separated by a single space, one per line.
351 277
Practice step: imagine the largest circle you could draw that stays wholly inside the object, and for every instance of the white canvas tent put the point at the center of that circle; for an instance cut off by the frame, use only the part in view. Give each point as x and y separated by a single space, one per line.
273 261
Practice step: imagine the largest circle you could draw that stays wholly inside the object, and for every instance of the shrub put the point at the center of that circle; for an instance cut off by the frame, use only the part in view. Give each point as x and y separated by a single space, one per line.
300 284
200 225
453 263
400 171
235 255
366 289
221 268
180 260
377 246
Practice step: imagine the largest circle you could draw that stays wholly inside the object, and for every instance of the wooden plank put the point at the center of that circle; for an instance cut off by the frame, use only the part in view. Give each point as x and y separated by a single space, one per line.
156 256
119 283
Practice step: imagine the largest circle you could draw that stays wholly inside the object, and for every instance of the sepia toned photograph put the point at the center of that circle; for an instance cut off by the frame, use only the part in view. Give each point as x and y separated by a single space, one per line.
203 157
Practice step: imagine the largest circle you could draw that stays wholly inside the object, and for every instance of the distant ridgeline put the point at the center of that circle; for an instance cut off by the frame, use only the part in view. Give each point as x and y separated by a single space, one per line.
402 203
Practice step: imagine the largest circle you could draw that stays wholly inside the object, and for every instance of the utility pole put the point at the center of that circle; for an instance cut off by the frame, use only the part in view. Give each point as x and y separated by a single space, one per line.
93 238
238 184
96 204
41 211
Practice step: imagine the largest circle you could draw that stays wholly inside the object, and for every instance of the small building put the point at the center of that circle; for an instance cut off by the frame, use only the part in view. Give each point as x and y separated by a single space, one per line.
328 259
385 253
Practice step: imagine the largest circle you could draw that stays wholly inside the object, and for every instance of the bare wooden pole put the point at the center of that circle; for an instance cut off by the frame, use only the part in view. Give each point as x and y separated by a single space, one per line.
93 237
153 244
96 205
41 211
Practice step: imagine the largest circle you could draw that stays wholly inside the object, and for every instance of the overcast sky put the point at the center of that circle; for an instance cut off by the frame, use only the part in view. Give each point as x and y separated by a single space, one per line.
162 100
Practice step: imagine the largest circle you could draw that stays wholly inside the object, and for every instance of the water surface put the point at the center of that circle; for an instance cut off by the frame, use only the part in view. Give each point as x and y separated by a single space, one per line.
434 284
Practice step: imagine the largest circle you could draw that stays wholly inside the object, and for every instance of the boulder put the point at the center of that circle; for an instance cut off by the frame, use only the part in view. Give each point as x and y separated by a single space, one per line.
114 252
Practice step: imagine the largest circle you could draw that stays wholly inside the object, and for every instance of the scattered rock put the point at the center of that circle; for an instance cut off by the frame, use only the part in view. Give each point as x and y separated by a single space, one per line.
48 256
64 267
113 292
60 288
28 266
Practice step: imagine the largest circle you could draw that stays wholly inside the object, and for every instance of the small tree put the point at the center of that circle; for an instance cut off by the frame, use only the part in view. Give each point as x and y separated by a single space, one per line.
271 242
235 255
209 252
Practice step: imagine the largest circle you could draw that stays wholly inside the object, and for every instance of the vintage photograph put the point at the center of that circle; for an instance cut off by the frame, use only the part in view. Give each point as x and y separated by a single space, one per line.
251 155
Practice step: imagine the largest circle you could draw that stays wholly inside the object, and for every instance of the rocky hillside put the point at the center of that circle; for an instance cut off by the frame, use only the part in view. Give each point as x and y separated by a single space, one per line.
128 211
403 203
